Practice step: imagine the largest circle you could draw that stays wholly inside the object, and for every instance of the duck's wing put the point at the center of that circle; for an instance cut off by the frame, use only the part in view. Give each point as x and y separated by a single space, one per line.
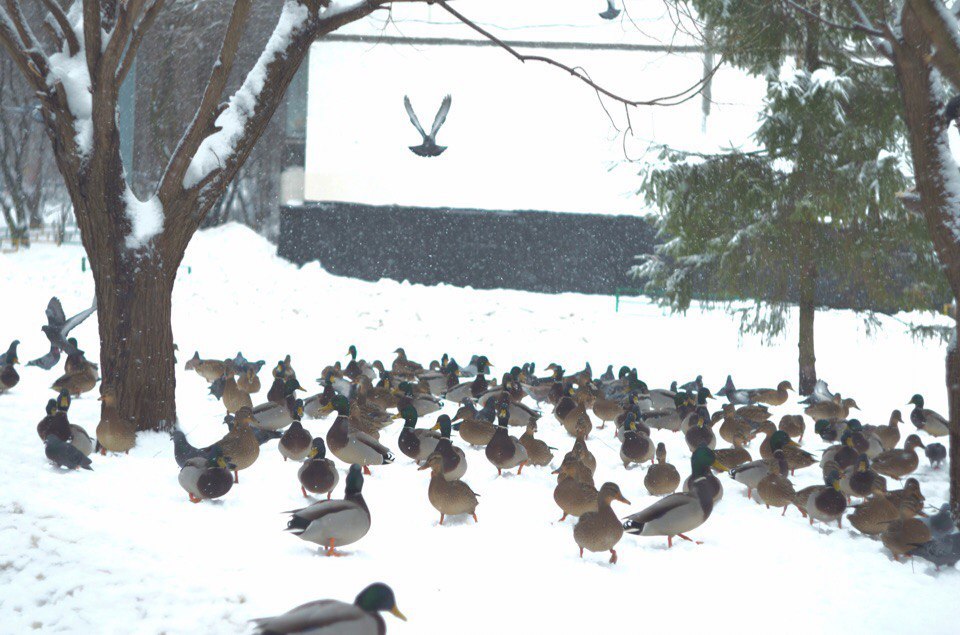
413 116
660 509
321 617
441 116
934 416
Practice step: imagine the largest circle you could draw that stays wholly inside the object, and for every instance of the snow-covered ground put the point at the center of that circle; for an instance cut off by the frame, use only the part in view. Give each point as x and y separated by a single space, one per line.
121 550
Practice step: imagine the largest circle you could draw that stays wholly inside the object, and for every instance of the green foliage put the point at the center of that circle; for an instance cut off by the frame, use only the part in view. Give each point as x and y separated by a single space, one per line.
819 195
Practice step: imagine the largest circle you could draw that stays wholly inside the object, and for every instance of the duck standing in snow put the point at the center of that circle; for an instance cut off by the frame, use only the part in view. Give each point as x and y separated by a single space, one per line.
504 451
899 463
674 515
352 446
601 530
333 523
206 478
9 377
114 434
332 616
449 497
662 478
927 420
296 442
318 474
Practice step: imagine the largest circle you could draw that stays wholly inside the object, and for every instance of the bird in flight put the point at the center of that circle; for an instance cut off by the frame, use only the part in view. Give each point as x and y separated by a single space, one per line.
429 147
56 329
611 12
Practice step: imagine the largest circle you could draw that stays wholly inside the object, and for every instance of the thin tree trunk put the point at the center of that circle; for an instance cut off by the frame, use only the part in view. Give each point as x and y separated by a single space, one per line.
953 394
808 308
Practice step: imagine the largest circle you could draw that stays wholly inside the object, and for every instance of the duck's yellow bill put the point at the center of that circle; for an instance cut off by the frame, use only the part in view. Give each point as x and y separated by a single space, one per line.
717 465
396 611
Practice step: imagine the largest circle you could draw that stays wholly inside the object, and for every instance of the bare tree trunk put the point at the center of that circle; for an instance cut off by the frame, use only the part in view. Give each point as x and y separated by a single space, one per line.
808 309
953 394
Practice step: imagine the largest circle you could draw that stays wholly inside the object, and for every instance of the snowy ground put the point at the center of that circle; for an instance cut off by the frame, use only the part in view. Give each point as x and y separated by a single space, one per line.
121 549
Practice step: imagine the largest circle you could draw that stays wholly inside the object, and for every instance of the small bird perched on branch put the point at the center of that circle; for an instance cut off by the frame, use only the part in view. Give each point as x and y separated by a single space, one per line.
612 11
56 329
429 147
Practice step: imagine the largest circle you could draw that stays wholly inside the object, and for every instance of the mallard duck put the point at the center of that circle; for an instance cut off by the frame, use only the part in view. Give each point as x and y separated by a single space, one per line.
607 410
538 452
630 418
78 436
76 383
775 489
425 403
206 478
840 456
767 429
504 451
836 410
274 416
62 454
569 412
662 478
733 425
864 441
318 474
55 422
754 414
209 369
336 523
699 434
889 434
936 454
750 474
636 447
454 459
357 367
352 446
909 500
898 463
240 445
927 420
233 398
601 530
314 406
735 456
793 425
403 367
859 480
904 534
674 515
296 442
113 433
414 443
331 616
574 494
472 389
439 381
771 396
823 502
472 428
580 451
872 516
702 459
9 377
797 458
449 497
248 381
520 414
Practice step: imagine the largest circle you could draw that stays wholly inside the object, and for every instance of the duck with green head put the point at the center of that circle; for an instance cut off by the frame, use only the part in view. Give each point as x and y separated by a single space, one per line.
206 478
636 448
333 523
797 458
332 616
701 462
679 514
415 443
357 368
927 420
277 415
504 451
296 442
318 474
859 480
825 503
352 446
454 459
9 377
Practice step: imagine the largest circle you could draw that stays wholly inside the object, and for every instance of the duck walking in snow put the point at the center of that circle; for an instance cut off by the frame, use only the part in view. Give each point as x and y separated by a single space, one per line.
601 530
332 616
449 497
928 420
336 523
206 478
318 474
429 147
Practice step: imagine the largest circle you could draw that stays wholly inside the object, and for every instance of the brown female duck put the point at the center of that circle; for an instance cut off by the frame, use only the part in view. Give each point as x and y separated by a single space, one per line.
601 530
662 478
449 497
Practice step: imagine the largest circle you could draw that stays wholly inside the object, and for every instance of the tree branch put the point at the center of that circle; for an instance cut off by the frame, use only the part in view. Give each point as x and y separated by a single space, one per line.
149 16
11 42
31 45
941 28
73 45
91 36
669 100
200 127
127 17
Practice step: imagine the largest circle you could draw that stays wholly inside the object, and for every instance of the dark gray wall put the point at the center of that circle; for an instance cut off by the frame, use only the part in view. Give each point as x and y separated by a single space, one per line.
529 250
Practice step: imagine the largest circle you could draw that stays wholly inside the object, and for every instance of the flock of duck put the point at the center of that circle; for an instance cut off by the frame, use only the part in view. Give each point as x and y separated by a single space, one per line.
367 397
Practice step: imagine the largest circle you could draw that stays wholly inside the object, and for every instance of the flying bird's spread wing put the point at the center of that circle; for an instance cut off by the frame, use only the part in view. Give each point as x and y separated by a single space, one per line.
413 116
441 116
55 315
73 322
48 361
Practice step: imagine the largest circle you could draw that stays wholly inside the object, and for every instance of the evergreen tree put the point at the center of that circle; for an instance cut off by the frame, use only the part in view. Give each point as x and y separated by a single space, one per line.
815 206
